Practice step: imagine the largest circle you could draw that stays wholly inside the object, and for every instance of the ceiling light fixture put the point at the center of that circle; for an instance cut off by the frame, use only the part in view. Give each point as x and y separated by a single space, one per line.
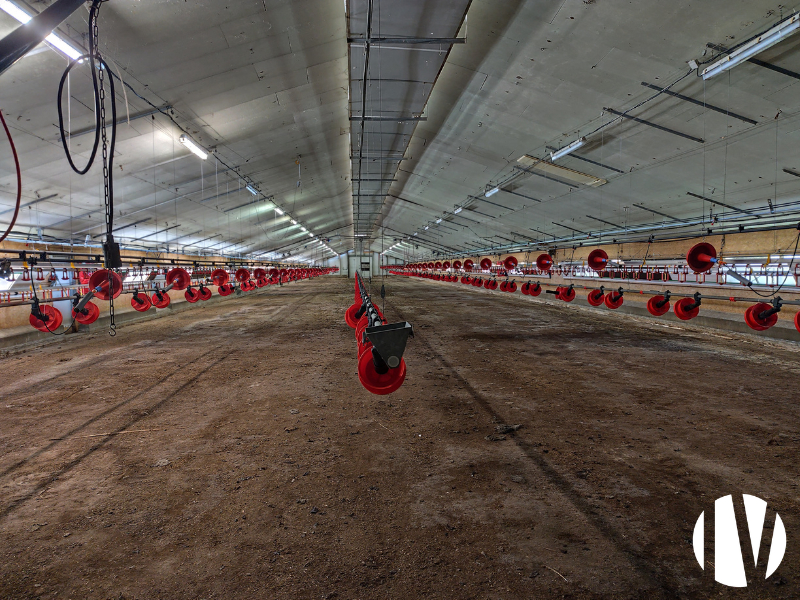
458 210
193 147
426 229
53 39
252 190
755 46
567 149
278 210
293 221
492 192
438 221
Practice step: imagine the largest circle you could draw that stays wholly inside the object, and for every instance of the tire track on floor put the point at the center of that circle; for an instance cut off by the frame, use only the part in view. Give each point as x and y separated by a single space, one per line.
616 537
130 422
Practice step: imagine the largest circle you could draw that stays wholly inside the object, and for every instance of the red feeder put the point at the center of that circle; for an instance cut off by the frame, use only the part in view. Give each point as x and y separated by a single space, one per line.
503 285
225 290
99 283
595 297
140 302
544 262
701 257
456 264
379 383
192 295
53 321
797 321
446 264
597 260
468 265
242 275
486 264
658 305
437 265
180 278
510 263
567 294
262 281
614 300
89 315
259 273
160 299
466 280
687 308
350 315
219 277
760 316
205 293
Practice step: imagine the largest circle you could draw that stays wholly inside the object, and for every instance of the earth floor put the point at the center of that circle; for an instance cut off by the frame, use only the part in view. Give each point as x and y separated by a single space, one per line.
230 452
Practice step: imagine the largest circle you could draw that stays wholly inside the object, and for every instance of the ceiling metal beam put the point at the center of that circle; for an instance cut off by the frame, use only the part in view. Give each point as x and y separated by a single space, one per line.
405 40
520 195
119 122
655 125
741 210
571 228
655 212
718 109
386 119
602 221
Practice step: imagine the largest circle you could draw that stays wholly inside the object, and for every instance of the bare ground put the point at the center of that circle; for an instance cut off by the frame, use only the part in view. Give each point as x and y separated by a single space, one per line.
248 462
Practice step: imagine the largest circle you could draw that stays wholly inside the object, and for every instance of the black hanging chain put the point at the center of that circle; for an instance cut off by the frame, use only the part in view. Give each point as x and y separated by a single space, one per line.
107 152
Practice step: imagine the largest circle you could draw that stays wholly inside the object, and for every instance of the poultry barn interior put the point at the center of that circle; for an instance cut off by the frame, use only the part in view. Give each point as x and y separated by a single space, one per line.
399 299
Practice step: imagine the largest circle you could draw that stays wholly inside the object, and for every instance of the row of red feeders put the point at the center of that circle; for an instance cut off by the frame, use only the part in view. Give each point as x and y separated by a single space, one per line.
381 367
105 284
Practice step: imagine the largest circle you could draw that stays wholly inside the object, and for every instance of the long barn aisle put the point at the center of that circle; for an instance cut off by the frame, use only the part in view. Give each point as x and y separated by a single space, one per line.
230 452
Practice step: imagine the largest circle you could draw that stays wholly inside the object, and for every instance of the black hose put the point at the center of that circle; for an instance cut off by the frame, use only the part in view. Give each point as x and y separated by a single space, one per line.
19 178
89 164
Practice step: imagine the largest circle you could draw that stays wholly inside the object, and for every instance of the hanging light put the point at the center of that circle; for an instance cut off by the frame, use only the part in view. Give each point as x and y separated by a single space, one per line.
193 147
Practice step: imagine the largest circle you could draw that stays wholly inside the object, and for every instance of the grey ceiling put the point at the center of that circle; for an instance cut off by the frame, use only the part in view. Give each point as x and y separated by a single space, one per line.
270 83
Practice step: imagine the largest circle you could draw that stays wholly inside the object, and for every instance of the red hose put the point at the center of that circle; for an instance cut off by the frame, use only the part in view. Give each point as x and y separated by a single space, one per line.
19 178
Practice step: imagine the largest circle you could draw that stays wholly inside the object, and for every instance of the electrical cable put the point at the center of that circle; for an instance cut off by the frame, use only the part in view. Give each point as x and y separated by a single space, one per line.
19 178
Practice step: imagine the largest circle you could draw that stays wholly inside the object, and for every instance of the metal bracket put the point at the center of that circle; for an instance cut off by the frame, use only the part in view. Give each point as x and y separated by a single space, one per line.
390 341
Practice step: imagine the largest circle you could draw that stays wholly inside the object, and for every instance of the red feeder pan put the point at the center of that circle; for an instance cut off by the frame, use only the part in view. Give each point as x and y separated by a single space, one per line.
378 383
752 316
219 277
180 278
544 262
99 279
614 300
701 257
92 314
205 293
192 295
468 265
53 322
456 264
510 263
682 310
595 297
597 260
141 302
162 302
653 306
242 275
486 264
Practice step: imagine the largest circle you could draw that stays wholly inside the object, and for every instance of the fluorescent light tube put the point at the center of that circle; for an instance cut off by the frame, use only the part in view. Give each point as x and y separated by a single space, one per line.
438 221
53 39
755 46
278 210
192 147
492 192
567 149
426 229
293 221
303 229
458 210
310 235
252 190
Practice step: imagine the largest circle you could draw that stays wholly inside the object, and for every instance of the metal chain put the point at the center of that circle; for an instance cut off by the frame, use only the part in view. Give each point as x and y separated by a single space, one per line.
112 327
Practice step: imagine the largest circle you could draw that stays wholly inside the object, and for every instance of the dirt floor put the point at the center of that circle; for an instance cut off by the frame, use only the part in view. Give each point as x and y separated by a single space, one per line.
247 461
